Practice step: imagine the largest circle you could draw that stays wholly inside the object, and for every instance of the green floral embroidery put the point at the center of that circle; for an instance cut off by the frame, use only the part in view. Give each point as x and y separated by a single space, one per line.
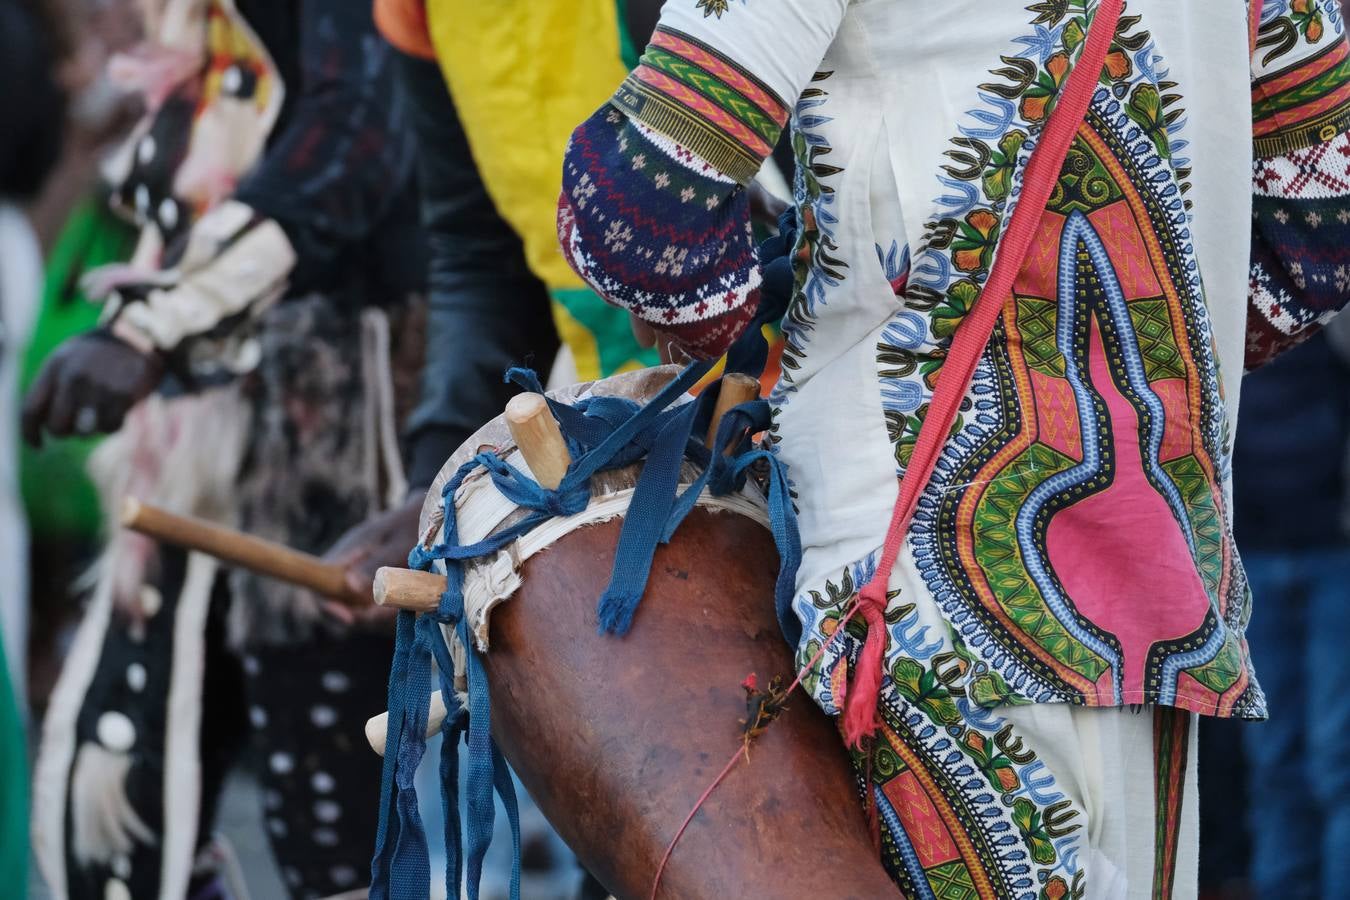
921 687
1307 17
998 180
975 241
1146 109
1032 826
713 7
961 298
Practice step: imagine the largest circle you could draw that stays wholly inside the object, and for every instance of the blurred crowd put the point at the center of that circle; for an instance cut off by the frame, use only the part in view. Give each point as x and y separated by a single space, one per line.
171 171
313 220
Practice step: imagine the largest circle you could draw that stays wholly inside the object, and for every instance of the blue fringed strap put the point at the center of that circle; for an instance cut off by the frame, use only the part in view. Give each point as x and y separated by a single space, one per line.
602 433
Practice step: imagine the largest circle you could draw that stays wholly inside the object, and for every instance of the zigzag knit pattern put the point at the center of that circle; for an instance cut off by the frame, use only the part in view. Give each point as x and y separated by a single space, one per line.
1300 262
657 231
712 106
1300 267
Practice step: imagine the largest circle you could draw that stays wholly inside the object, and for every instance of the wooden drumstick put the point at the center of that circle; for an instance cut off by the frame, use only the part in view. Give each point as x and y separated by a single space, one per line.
408 589
240 549
736 389
536 433
377 727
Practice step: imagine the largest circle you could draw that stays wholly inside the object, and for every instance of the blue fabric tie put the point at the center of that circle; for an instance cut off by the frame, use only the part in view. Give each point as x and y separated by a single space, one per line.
602 433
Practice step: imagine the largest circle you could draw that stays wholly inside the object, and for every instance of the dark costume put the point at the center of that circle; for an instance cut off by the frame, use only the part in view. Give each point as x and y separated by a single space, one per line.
274 165
29 144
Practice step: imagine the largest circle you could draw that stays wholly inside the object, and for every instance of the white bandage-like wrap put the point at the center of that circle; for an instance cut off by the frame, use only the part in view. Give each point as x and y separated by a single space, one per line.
481 509
234 263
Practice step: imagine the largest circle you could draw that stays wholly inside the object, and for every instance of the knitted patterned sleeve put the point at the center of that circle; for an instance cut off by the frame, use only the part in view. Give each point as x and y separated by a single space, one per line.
653 213
1300 261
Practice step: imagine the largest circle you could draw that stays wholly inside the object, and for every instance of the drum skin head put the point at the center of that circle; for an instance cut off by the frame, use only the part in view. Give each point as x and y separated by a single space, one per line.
640 385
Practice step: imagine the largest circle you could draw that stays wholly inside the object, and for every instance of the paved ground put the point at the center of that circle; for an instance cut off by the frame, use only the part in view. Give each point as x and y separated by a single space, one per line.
241 823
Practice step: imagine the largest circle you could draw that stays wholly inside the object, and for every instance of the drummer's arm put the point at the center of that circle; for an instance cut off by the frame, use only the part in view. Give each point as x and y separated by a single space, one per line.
1300 259
323 183
332 175
487 310
654 212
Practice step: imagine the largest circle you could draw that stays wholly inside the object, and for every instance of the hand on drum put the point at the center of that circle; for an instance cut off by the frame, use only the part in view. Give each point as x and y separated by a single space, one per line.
665 345
381 540
775 258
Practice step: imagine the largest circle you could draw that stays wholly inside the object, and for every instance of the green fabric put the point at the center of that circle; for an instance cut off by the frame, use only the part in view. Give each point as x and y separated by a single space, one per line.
92 237
608 336
628 51
13 787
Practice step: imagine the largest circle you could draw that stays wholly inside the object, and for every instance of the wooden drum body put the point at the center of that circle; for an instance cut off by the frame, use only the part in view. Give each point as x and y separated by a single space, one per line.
617 737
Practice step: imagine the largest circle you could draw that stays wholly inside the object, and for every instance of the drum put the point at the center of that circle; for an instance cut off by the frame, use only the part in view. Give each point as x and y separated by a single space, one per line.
617 737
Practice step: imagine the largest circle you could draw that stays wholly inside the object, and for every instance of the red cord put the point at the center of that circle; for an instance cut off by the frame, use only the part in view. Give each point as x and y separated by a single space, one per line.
740 751
670 848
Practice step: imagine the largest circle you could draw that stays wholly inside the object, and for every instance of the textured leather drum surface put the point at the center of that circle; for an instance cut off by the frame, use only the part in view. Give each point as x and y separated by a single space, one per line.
617 737
640 386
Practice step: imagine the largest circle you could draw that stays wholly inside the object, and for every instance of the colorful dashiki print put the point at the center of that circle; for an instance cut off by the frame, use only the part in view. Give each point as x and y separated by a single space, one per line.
1074 544
970 802
1073 548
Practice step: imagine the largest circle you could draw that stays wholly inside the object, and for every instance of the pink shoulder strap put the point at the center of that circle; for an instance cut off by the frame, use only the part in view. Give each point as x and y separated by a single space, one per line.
1254 9
1042 173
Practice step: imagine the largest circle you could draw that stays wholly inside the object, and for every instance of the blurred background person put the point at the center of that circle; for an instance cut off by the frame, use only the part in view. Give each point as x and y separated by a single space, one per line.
33 46
1270 823
272 164
78 231
1225 842
499 291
